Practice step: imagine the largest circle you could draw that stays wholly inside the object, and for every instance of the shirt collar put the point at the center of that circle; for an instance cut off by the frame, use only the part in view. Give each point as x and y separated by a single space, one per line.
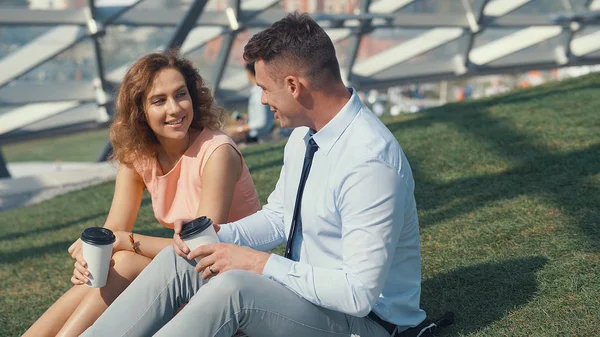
332 131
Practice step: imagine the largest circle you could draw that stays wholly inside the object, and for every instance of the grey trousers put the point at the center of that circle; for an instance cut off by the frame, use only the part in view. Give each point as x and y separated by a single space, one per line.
230 302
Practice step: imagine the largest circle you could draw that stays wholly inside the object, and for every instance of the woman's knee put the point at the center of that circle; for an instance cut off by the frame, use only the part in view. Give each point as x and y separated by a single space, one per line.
129 264
123 260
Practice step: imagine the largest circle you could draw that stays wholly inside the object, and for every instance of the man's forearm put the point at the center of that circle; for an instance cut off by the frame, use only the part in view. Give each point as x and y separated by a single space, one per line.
332 289
259 231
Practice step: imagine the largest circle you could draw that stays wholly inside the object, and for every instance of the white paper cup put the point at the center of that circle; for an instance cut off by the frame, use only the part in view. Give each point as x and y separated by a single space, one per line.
97 245
198 232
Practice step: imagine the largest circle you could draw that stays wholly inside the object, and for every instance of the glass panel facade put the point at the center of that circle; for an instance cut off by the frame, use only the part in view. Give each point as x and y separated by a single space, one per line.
235 77
434 7
14 4
541 52
579 5
492 34
14 37
205 57
122 45
391 51
43 4
439 59
162 4
541 7
77 63
342 41
383 39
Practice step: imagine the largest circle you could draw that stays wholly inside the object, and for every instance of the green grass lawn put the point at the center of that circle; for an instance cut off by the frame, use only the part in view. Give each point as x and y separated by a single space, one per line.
508 190
83 146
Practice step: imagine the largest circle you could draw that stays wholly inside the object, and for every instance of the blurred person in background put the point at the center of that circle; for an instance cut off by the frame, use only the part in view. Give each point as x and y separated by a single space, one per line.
260 121
166 138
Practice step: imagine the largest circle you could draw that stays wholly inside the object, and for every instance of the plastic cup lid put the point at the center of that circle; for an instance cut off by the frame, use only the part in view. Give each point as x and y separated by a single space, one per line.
98 236
194 227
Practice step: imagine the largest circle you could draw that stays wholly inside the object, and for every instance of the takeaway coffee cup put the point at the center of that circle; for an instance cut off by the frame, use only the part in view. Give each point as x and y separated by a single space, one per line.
97 245
198 232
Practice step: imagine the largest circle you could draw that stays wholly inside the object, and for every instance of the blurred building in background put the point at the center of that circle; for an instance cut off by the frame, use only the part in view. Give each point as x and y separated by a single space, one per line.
62 60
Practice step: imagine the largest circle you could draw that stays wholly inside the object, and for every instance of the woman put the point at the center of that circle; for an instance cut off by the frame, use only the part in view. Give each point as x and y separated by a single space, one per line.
166 138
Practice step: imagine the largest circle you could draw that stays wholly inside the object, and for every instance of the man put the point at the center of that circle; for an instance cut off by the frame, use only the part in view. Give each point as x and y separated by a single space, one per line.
260 119
352 264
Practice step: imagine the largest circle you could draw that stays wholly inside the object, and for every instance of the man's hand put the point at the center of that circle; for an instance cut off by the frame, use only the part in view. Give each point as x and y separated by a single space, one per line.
179 245
222 257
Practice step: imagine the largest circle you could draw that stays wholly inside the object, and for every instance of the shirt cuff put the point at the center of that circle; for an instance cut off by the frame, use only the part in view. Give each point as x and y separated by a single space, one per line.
277 267
225 234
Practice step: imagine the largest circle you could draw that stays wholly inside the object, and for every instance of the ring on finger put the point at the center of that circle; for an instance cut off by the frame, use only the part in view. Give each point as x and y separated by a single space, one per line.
211 270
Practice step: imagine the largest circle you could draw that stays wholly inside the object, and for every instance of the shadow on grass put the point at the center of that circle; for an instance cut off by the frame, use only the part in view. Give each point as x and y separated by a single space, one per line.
36 252
562 178
34 231
58 247
481 294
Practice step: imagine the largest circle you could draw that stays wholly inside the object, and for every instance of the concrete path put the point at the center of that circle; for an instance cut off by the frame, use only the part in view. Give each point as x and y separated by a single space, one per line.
33 182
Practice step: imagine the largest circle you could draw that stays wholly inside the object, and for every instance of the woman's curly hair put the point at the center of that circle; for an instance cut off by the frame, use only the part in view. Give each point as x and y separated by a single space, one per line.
131 137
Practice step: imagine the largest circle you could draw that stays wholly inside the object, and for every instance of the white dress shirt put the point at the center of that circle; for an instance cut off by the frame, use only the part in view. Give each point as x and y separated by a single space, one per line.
260 117
359 247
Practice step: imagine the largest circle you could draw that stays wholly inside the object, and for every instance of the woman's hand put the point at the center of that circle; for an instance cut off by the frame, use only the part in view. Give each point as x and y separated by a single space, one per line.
80 272
75 249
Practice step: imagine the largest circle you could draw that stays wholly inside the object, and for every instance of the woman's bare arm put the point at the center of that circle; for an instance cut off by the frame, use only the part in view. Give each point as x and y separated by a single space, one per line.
221 173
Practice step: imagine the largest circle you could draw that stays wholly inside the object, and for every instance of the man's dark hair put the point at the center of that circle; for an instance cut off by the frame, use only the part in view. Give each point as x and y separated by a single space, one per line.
296 41
250 68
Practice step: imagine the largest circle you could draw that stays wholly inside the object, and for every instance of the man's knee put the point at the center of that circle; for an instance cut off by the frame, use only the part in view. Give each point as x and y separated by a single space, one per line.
168 257
232 284
167 254
168 260
231 281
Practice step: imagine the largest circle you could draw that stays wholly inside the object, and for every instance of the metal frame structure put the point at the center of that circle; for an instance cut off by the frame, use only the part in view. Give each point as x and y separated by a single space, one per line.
195 27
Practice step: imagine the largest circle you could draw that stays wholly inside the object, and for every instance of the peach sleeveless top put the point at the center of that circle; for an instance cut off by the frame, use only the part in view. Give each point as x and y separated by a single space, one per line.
177 194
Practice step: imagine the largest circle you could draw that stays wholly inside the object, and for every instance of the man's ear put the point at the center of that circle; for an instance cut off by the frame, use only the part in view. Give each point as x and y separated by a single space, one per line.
293 86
